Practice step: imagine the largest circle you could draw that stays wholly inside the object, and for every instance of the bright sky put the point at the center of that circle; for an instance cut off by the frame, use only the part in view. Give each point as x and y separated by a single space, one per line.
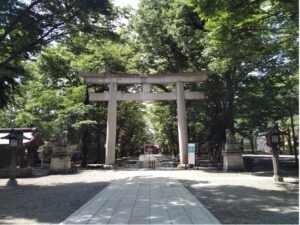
123 3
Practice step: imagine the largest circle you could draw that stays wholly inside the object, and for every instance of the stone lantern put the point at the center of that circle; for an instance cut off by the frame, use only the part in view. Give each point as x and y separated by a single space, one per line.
15 138
273 136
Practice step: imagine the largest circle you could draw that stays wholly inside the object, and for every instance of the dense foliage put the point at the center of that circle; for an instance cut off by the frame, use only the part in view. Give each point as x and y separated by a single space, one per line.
252 50
28 26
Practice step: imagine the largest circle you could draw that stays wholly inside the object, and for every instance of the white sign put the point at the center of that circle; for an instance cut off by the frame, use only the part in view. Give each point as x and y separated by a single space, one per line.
191 153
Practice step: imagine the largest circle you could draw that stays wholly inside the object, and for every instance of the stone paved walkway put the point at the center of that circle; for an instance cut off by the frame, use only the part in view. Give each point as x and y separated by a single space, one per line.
143 200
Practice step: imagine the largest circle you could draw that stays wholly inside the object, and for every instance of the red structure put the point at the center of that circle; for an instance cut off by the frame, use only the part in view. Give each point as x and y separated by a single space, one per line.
151 149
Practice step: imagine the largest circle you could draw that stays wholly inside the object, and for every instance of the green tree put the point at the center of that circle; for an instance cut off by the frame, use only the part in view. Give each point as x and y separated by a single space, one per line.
170 34
132 130
87 124
27 27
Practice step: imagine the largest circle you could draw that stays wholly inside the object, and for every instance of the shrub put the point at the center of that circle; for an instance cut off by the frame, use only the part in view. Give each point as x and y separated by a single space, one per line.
45 152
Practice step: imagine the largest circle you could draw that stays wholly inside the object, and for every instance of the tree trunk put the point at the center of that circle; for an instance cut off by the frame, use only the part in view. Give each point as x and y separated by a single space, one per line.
99 157
230 92
188 133
294 139
84 150
122 147
86 100
290 142
85 134
219 151
283 143
252 145
242 145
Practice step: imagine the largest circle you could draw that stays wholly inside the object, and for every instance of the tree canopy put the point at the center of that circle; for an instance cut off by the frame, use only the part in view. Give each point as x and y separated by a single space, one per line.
251 50
26 27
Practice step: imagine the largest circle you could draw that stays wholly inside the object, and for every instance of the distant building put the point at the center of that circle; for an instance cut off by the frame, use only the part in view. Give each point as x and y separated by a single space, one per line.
28 155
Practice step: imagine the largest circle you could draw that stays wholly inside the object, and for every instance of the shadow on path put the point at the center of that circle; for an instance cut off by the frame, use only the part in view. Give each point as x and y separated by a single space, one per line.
45 204
247 205
263 166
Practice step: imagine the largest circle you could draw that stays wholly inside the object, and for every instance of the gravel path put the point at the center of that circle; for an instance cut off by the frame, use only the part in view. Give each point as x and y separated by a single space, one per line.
47 199
253 197
252 200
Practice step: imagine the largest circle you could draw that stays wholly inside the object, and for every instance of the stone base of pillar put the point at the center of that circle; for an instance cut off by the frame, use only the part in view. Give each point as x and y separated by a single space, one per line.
278 178
110 158
110 166
183 166
12 182
232 158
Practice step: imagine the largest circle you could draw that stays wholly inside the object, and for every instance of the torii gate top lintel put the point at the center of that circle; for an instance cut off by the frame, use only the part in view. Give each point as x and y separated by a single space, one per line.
106 78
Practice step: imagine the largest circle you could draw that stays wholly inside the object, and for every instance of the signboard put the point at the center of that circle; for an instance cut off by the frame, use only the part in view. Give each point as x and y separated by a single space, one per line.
191 153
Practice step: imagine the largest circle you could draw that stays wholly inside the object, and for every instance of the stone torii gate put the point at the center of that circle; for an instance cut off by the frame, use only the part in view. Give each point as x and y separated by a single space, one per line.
180 95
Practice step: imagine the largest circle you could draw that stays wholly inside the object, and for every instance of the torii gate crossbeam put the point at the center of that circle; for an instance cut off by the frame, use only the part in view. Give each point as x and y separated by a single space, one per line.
180 95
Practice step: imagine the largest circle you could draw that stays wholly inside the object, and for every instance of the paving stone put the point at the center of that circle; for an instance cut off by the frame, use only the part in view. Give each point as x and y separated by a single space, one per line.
141 212
181 220
99 219
140 200
160 220
139 220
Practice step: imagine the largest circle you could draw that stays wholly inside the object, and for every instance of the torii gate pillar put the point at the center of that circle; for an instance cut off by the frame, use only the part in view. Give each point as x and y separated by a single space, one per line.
111 125
182 124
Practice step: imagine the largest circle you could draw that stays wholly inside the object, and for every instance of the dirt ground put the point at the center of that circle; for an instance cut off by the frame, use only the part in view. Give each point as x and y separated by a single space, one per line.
256 200
47 199
234 198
